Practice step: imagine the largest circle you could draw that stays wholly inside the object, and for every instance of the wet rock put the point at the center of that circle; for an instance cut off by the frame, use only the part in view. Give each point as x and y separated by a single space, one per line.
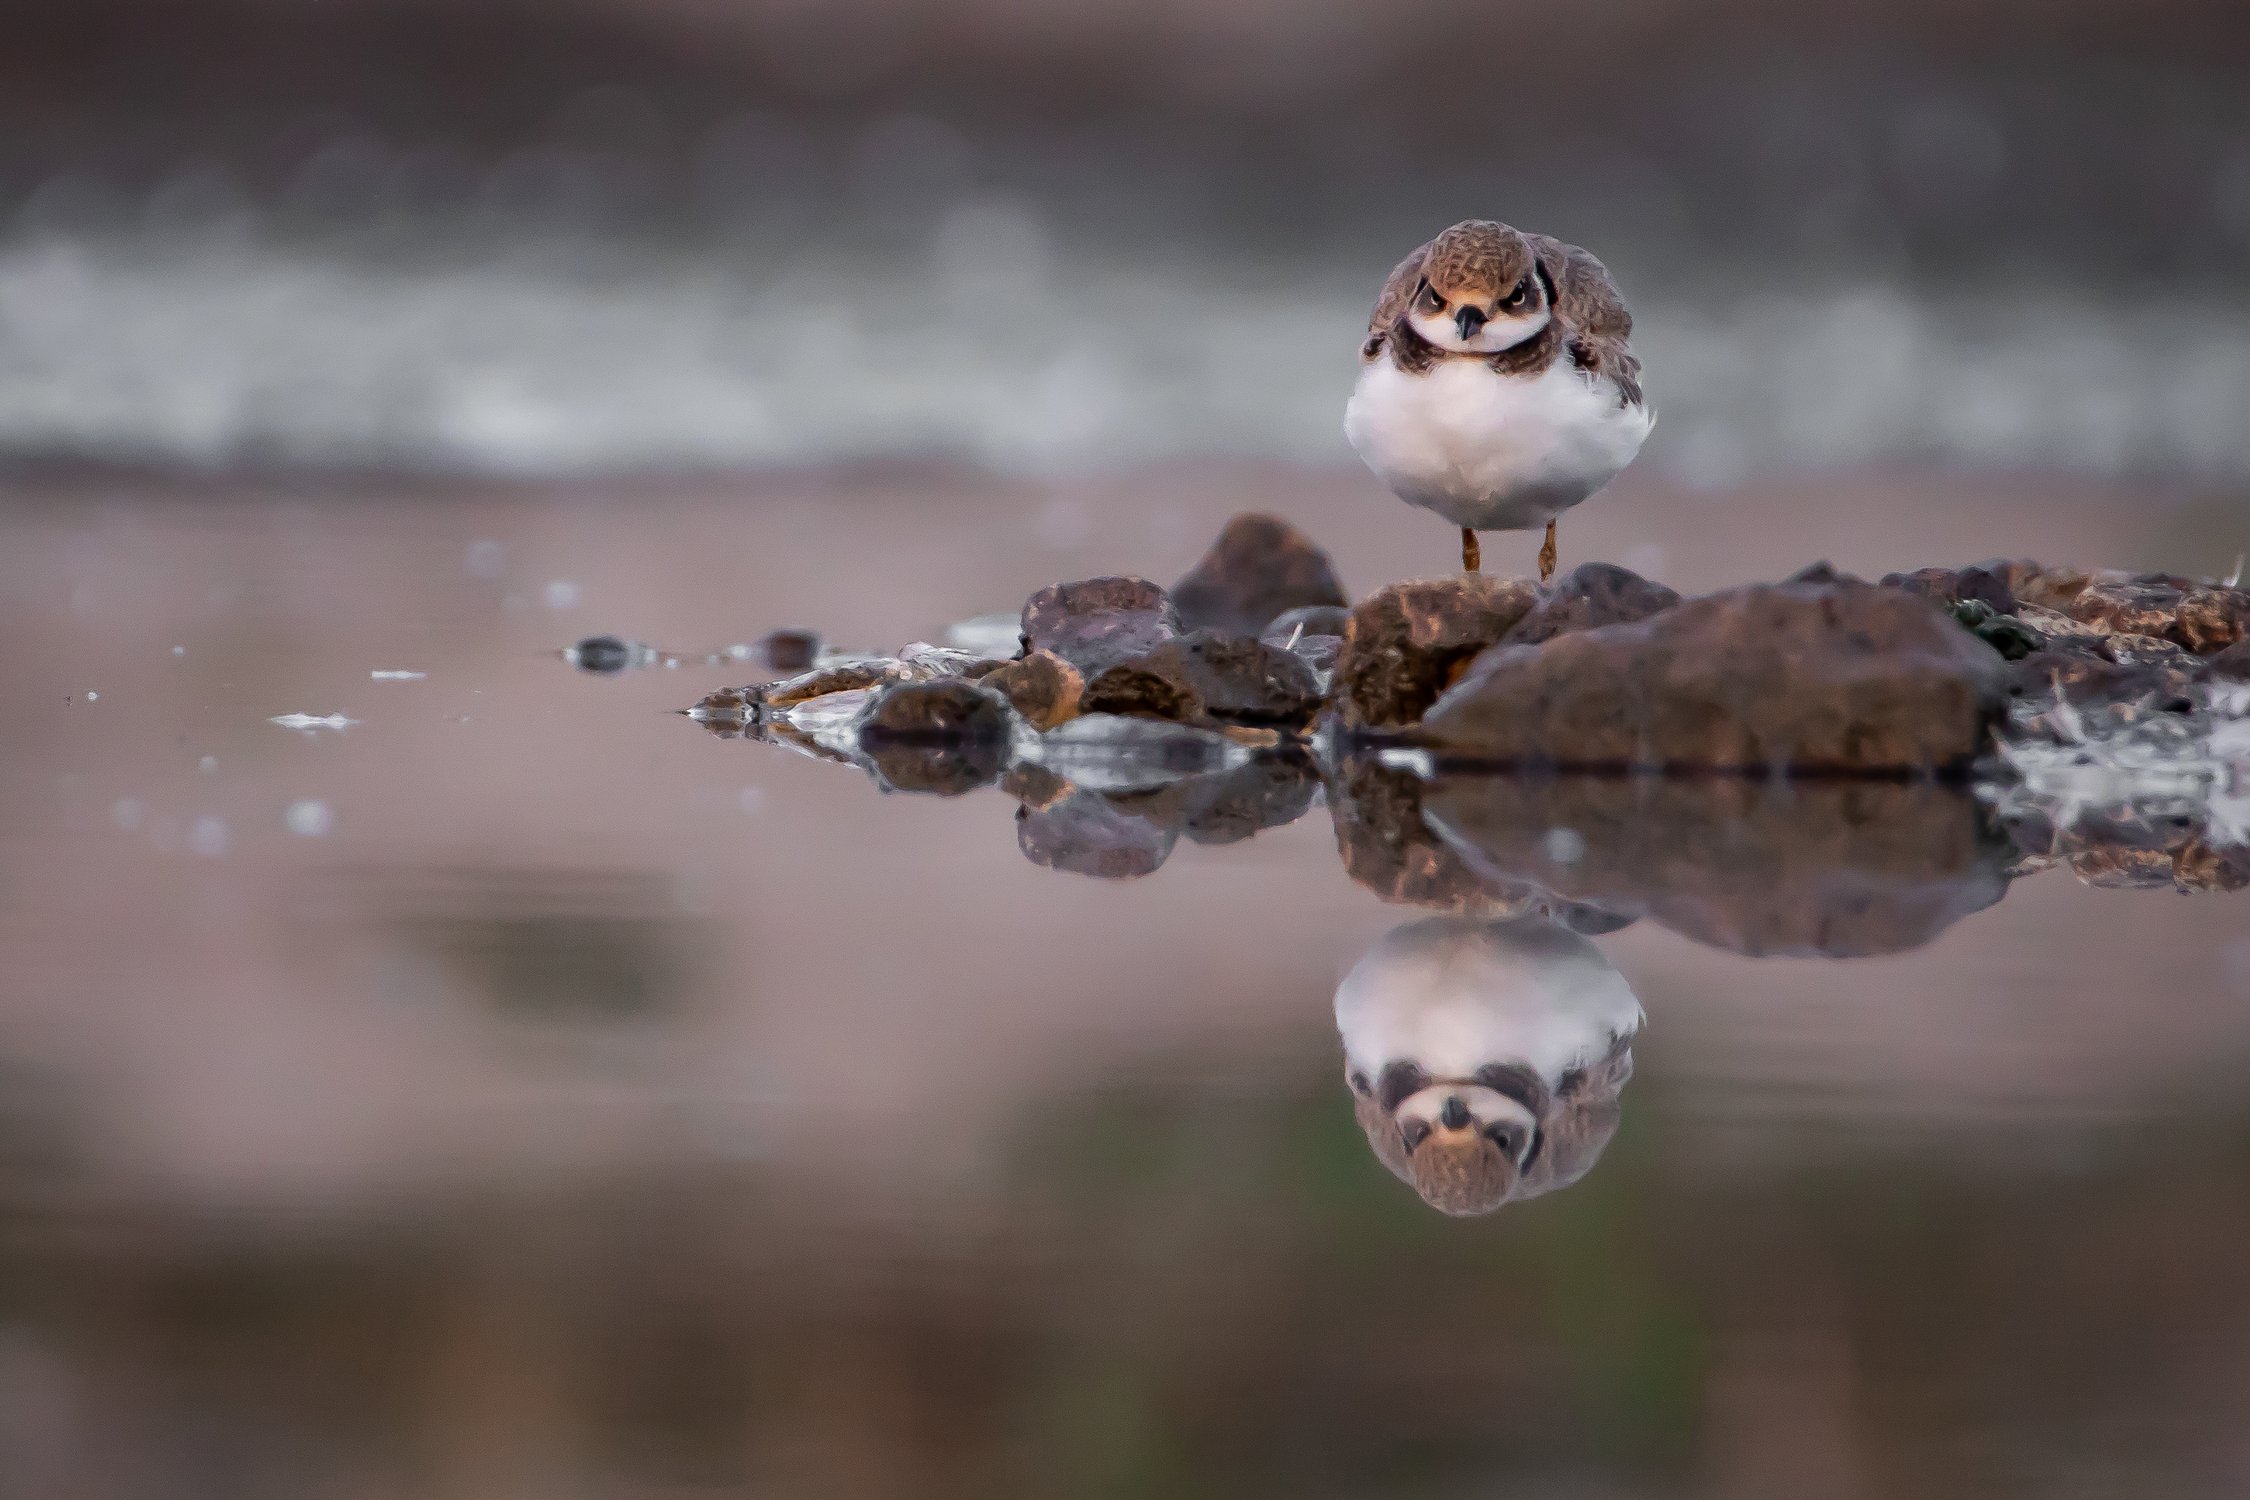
2122 868
2230 665
2004 633
1085 833
728 705
1388 848
1319 654
1144 688
843 677
602 653
1270 792
1590 595
1954 585
1841 677
1823 571
2032 583
1834 868
1098 622
1235 679
1259 567
2122 608
940 737
2053 623
1044 688
2080 672
1307 620
2146 651
2212 618
790 650
1407 643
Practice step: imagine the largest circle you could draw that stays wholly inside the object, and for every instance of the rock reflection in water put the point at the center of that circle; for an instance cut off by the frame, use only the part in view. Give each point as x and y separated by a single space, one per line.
1485 1058
1837 869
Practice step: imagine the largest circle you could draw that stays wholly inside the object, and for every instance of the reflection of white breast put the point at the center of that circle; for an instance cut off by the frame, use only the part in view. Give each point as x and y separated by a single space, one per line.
1452 995
1492 451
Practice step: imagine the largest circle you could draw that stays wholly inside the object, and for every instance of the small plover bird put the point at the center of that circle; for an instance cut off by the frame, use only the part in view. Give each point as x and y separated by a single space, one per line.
1496 385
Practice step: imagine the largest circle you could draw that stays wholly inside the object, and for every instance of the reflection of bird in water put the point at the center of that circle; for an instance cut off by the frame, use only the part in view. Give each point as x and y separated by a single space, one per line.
1485 1058
1496 386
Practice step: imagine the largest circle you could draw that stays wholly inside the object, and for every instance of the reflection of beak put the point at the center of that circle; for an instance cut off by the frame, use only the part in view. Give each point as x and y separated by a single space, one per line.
1469 320
1455 1115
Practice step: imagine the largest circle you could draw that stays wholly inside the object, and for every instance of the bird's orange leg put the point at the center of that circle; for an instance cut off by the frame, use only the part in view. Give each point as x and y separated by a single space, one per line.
1472 556
1547 555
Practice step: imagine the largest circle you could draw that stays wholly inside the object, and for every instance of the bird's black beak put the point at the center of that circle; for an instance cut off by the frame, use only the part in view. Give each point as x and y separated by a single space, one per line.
1455 1115
1469 320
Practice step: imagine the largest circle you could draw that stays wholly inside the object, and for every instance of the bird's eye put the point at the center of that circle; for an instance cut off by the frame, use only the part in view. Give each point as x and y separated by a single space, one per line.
1517 297
1431 299
1508 1139
1414 1133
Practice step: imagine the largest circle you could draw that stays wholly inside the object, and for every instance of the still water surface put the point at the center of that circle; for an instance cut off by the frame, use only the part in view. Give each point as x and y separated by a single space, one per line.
520 1091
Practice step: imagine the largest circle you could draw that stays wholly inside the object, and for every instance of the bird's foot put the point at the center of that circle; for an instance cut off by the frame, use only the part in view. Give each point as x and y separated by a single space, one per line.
1472 556
1547 555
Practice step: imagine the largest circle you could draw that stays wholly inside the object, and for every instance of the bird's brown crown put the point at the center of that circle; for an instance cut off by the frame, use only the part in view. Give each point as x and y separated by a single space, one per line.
1477 260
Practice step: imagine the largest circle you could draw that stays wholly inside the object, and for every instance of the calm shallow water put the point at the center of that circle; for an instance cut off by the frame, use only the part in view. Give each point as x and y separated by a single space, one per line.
521 1091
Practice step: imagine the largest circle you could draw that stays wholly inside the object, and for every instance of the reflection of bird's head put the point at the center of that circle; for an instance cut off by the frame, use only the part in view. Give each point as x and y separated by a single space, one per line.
1481 290
1445 1025
1464 1144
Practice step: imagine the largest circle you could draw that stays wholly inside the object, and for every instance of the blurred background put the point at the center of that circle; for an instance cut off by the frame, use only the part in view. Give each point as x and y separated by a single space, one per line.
606 235
518 1092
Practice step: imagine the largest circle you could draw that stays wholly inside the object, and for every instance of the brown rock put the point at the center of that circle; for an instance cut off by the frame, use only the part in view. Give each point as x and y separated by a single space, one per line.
1098 622
2230 665
2082 674
1406 643
2212 618
1952 585
1837 868
844 677
941 737
2121 608
1044 688
1240 680
2201 866
790 650
1259 567
1146 688
1590 595
2032 583
1841 677
2115 867
728 704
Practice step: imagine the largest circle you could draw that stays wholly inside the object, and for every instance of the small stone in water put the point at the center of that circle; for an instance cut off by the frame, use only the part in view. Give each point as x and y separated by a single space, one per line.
791 649
603 653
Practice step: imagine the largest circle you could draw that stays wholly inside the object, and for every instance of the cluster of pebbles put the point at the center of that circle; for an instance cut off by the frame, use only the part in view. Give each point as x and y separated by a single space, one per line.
1122 716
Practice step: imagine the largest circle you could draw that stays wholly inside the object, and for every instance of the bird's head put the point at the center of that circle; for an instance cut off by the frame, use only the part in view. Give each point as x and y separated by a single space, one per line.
1465 1143
1482 290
